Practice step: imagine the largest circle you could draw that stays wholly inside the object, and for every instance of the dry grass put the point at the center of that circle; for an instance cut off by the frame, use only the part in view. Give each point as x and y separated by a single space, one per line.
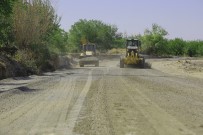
117 51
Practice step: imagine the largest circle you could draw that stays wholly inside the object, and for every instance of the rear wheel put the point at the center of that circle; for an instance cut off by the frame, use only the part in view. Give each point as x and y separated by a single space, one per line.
142 63
121 63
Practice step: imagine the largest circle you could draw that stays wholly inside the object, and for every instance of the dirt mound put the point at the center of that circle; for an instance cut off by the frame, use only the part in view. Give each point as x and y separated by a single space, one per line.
11 68
192 65
186 67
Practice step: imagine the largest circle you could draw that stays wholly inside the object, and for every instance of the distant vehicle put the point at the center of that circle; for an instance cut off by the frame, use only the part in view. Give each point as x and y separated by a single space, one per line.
88 55
132 56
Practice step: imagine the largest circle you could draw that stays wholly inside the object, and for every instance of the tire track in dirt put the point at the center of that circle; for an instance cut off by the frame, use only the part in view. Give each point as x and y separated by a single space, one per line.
10 120
49 111
33 99
179 96
124 118
94 118
61 126
41 111
55 106
160 120
74 113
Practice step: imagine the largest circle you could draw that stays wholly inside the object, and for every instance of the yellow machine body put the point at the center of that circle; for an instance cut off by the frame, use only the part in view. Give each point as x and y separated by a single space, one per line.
131 59
132 56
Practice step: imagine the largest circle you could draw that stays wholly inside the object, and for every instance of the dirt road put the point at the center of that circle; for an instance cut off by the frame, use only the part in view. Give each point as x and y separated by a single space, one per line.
103 100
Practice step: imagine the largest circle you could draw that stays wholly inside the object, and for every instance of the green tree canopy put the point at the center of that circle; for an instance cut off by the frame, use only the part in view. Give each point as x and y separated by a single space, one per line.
33 20
6 8
153 40
177 46
93 31
37 34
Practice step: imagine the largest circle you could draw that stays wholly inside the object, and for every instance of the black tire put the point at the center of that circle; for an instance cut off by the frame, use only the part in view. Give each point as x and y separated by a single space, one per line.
142 63
121 63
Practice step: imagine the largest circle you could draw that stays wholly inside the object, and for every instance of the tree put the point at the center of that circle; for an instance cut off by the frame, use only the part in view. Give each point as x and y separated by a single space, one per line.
6 8
194 48
32 20
93 31
58 41
153 40
37 34
119 41
177 46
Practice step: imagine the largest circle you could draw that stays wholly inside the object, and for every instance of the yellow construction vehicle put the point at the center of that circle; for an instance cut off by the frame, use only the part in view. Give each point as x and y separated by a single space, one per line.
132 56
88 55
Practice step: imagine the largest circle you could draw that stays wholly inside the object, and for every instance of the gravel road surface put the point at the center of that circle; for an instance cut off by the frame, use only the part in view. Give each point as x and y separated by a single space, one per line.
103 100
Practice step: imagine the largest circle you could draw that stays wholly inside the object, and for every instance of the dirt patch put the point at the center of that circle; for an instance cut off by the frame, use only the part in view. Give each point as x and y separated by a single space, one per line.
192 65
185 67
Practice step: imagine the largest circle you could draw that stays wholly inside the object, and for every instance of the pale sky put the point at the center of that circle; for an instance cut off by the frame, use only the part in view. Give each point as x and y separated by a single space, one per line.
181 18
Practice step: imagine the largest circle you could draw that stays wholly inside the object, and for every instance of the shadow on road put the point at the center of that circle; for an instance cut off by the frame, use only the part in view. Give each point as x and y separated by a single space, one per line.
26 89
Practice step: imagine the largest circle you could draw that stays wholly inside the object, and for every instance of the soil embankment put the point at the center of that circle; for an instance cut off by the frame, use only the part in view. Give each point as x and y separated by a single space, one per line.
10 68
192 67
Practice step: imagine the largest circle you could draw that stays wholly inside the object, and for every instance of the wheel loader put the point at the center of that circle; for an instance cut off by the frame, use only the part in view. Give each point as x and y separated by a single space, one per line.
88 55
132 56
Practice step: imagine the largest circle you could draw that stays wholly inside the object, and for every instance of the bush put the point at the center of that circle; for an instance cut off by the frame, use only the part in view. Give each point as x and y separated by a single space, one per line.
161 48
194 48
177 47
200 49
26 58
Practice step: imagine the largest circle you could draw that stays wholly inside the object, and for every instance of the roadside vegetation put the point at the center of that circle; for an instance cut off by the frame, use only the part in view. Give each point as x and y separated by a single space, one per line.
105 36
30 35
154 42
32 27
